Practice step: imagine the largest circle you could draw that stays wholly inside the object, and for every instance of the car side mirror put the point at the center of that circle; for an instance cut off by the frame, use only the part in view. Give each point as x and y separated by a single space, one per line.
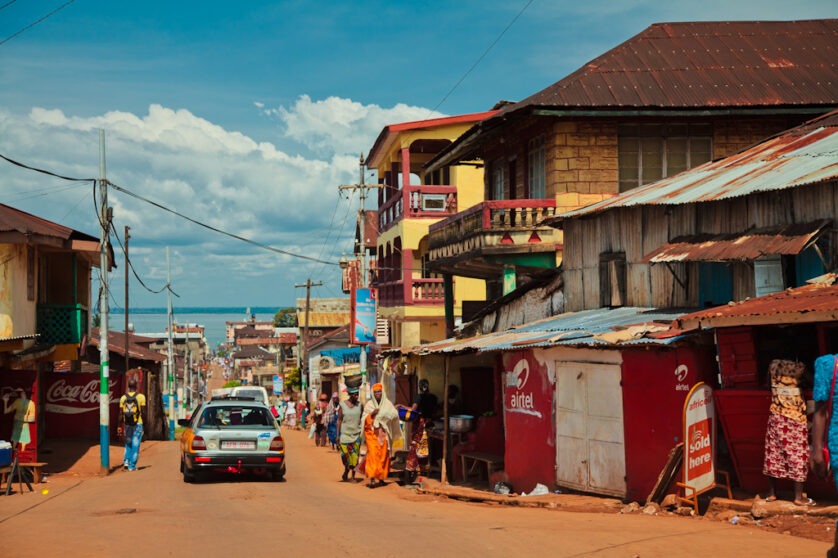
183 422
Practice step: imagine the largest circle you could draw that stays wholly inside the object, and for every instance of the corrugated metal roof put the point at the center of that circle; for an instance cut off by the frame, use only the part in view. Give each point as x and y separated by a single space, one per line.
816 302
323 312
602 327
15 220
791 239
803 155
707 64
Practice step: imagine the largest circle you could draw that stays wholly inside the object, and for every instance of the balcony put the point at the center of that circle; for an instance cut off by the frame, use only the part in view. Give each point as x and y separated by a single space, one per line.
61 324
424 292
479 241
422 201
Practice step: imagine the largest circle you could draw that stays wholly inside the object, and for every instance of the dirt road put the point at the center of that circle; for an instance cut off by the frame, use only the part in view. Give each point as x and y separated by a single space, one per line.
151 512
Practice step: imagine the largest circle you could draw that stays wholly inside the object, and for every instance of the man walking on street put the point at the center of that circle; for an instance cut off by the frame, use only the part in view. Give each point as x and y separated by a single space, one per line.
131 407
349 427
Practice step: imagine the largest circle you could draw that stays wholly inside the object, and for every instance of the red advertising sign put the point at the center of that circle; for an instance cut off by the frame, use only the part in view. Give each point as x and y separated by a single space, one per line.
71 405
699 439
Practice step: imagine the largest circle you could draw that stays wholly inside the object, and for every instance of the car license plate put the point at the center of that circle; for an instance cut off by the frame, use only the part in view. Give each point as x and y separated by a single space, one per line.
238 444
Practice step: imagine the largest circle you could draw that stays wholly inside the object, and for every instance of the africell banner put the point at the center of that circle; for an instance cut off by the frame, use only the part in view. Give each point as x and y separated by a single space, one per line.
699 439
71 405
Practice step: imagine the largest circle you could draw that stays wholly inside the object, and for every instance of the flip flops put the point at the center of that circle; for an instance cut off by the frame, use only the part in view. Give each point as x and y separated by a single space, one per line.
806 502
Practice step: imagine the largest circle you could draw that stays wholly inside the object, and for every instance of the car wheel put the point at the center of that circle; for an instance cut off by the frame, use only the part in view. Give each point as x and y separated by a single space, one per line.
279 476
188 477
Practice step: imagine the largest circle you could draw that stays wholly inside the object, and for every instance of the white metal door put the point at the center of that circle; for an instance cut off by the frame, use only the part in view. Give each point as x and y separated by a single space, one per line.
590 449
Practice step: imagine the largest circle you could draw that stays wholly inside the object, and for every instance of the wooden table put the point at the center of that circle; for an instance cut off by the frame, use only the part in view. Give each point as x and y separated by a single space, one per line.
473 460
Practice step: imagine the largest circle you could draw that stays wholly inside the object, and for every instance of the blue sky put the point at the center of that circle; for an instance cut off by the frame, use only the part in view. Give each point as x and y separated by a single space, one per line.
248 116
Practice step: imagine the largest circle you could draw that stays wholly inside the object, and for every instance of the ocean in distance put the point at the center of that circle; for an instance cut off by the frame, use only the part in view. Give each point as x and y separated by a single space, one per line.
214 319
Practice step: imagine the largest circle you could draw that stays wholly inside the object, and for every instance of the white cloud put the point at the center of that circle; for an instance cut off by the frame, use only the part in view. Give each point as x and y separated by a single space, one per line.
336 124
219 177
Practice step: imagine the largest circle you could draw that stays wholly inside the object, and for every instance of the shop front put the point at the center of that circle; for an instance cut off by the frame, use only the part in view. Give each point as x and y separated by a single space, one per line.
797 326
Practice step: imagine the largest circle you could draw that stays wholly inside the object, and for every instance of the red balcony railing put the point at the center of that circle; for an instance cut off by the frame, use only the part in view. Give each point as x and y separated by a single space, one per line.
427 292
416 202
490 216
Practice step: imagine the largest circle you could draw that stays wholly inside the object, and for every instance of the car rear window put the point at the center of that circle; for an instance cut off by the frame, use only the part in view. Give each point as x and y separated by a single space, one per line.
235 416
256 394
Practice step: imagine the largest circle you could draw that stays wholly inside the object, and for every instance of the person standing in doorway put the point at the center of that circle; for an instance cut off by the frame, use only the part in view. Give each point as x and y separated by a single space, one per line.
349 427
787 436
131 406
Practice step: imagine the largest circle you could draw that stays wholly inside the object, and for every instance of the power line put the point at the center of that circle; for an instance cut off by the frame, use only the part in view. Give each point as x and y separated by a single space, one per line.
42 171
215 229
36 22
7 4
164 208
134 271
482 56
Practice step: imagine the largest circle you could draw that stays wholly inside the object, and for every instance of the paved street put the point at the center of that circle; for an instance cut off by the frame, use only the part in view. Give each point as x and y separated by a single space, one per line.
151 512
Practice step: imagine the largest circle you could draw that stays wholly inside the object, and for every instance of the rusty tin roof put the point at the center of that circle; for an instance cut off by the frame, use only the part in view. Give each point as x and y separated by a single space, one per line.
815 302
707 63
597 328
753 244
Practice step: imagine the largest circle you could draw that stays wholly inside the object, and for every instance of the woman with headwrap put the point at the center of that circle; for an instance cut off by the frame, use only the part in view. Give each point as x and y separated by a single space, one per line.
381 429
330 419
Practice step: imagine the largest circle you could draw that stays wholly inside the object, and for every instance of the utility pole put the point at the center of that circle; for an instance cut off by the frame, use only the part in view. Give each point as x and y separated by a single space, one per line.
170 368
187 373
304 373
104 364
127 358
362 221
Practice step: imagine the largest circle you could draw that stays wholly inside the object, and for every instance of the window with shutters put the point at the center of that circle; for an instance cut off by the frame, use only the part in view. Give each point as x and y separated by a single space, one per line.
649 152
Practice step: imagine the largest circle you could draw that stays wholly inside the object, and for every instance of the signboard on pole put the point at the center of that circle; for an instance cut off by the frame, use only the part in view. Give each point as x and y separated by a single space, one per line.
278 384
700 439
363 317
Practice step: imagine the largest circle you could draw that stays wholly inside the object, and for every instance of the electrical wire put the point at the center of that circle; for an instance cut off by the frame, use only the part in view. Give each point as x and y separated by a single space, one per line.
7 4
36 22
217 230
42 171
330 229
482 56
134 271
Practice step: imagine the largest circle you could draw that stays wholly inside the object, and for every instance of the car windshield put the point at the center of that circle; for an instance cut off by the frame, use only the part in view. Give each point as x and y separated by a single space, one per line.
235 416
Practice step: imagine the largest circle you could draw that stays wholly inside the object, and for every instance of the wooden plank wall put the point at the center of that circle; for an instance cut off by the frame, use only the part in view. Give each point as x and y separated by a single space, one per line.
638 231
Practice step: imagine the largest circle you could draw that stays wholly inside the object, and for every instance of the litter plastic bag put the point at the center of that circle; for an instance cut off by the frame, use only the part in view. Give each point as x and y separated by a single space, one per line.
539 490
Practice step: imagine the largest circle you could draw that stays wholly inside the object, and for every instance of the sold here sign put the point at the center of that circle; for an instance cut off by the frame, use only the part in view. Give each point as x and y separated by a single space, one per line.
699 439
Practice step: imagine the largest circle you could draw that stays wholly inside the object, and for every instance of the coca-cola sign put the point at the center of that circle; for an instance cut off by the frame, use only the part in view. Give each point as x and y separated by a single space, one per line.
71 404
69 398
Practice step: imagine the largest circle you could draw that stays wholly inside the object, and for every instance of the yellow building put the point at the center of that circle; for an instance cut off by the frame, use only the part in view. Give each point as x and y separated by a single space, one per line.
410 200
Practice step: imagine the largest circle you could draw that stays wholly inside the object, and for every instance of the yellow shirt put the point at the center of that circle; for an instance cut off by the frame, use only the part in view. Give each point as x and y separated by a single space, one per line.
140 401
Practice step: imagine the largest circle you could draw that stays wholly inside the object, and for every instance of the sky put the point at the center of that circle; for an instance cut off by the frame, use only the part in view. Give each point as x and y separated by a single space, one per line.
248 116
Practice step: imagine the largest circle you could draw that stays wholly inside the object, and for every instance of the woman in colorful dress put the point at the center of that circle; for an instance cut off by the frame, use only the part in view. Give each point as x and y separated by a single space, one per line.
330 418
381 429
787 436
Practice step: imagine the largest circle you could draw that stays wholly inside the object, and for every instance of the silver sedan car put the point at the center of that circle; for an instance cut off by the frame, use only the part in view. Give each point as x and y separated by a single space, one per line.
232 435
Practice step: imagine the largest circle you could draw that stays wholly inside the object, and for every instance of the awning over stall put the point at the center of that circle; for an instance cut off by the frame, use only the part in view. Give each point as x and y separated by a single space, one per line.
745 246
